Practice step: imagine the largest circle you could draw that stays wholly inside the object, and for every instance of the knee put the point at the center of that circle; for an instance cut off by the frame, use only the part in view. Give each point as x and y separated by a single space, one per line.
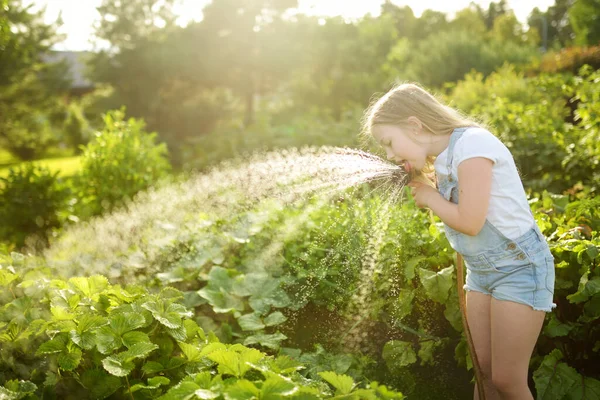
505 381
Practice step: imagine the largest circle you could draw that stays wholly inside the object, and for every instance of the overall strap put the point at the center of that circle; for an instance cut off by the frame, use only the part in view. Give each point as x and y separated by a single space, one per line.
456 134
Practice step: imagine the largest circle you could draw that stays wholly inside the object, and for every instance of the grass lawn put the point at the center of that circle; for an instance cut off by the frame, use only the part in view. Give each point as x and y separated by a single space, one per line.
67 166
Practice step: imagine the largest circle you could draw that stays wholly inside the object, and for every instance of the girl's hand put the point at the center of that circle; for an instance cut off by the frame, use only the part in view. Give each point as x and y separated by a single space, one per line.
422 193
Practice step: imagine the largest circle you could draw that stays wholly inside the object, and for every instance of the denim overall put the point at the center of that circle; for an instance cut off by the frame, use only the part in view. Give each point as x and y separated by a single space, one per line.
519 270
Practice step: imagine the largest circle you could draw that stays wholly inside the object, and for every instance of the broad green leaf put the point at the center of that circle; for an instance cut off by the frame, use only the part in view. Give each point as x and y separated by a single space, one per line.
178 334
139 350
403 304
242 390
56 345
122 323
133 337
69 360
91 286
275 387
152 367
409 267
452 312
6 277
153 383
229 362
587 288
209 348
554 379
170 315
284 364
250 322
61 314
116 366
555 328
437 285
275 318
426 349
271 341
398 354
343 384
192 353
586 388
185 390
221 300
107 340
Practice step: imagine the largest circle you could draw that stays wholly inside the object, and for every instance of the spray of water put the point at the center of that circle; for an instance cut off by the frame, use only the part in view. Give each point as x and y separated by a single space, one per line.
127 243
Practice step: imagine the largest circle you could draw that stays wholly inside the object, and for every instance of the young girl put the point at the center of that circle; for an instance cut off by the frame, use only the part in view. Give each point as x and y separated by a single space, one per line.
487 219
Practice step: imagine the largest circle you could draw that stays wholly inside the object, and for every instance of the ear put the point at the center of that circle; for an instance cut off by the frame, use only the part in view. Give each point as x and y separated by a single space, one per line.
415 123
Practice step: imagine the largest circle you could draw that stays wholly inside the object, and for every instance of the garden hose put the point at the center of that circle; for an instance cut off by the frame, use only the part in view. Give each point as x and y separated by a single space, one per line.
462 303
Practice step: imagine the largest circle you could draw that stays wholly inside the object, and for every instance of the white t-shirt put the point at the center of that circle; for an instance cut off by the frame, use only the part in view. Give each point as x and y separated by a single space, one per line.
508 210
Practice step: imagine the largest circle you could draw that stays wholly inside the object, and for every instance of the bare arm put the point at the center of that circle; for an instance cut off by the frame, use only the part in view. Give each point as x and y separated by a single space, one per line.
468 216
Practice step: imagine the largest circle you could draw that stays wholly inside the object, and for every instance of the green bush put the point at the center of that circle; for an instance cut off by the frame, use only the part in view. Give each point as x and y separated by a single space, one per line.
582 163
121 160
272 130
86 339
446 57
33 202
570 59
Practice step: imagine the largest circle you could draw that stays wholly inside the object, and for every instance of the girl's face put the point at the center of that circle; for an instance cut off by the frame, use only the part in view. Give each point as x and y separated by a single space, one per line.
399 146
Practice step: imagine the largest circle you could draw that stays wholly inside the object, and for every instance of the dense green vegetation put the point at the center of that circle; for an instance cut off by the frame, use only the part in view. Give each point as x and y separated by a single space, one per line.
129 276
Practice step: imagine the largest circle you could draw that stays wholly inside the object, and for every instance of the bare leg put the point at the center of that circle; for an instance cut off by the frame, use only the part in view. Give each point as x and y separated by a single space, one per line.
515 330
478 317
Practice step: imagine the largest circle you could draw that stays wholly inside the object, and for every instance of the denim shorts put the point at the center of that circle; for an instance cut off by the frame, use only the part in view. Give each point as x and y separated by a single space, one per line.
521 271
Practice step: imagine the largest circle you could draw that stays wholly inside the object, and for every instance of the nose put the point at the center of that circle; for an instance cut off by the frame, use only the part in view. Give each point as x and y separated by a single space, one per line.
390 155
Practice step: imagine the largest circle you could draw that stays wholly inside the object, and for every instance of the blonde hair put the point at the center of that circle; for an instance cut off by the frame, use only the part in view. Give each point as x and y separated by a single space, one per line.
410 99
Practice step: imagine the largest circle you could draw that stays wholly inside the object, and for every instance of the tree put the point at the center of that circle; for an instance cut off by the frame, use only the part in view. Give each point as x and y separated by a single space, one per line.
29 88
584 16
559 30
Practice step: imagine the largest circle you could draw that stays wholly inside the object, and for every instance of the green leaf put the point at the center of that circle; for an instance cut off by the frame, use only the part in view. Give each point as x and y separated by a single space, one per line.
554 379
122 323
116 366
133 337
70 360
284 364
242 390
153 383
56 345
587 288
185 390
271 341
168 315
250 322
426 349
229 362
152 367
586 388
398 354
409 267
275 318
192 353
555 328
61 314
107 340
139 350
437 285
6 278
91 286
343 384
276 387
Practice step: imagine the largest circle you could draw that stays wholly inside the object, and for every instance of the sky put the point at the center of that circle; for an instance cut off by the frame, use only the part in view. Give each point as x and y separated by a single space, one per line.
79 15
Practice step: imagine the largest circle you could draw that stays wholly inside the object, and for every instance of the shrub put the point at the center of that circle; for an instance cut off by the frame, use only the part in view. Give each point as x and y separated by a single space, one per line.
570 59
121 160
33 202
447 56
